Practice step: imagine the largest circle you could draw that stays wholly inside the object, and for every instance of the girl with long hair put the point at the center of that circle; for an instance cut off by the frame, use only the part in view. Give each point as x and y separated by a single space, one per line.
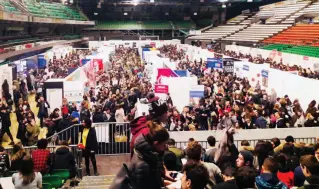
26 178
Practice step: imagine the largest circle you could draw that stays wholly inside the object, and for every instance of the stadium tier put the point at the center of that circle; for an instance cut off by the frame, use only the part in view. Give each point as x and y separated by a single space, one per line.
275 13
256 33
237 20
141 25
53 10
300 50
217 33
9 7
303 34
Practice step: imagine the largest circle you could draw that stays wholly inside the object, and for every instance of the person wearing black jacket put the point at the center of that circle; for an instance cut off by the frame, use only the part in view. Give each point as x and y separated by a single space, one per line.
63 159
5 122
43 106
99 116
64 124
91 146
85 112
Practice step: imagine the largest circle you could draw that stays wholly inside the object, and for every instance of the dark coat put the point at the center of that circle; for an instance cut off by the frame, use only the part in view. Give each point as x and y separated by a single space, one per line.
230 184
85 114
5 118
43 111
91 141
64 159
98 117
312 182
145 168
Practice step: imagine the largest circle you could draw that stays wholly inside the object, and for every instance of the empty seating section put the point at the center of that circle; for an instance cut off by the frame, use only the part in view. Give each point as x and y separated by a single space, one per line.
280 12
133 25
300 50
312 9
217 33
256 33
9 7
237 20
184 25
303 34
52 10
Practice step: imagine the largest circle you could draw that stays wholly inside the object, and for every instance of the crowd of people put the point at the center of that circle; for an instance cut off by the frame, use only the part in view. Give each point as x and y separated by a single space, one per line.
277 65
229 100
229 103
157 163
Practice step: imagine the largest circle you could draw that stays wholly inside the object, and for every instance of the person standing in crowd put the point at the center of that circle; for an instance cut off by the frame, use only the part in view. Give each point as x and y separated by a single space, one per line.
89 141
5 90
268 178
5 121
211 150
27 177
85 112
194 153
310 168
43 106
146 168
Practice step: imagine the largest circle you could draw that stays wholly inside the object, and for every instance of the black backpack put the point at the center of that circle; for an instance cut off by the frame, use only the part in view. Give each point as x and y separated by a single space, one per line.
124 179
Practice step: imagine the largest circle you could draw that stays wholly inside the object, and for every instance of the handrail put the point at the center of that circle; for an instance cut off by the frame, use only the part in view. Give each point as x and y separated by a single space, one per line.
55 134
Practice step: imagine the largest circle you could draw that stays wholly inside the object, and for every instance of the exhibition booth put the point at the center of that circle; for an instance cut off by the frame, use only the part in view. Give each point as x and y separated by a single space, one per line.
285 58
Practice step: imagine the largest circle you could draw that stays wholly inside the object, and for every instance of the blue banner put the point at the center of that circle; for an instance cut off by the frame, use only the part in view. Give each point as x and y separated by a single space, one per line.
246 67
42 62
194 94
70 70
84 61
264 73
181 73
214 63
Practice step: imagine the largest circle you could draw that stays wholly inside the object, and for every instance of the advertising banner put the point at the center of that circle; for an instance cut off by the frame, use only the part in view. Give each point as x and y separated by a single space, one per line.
214 63
246 67
42 62
98 63
181 73
164 72
161 89
84 61
228 66
195 94
264 80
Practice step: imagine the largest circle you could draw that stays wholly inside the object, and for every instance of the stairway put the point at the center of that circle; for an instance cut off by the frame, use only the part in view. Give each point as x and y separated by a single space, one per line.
96 182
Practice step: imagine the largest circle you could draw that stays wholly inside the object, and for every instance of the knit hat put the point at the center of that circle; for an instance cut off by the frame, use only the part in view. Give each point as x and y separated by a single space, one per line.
248 156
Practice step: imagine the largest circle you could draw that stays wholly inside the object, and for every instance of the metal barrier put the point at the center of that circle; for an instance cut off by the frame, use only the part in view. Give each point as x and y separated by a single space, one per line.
70 134
113 138
310 140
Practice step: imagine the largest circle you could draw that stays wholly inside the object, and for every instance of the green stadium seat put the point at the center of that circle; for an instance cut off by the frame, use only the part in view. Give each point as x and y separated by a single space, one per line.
54 180
63 173
46 186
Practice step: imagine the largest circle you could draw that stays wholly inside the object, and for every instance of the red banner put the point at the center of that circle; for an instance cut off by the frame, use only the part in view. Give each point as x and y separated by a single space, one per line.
164 72
98 63
161 89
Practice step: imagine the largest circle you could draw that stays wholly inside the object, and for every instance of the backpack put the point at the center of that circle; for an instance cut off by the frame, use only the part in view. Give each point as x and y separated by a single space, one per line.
124 179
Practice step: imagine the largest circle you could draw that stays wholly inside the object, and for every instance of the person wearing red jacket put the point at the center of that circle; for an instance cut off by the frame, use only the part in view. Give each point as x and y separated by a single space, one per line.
157 113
